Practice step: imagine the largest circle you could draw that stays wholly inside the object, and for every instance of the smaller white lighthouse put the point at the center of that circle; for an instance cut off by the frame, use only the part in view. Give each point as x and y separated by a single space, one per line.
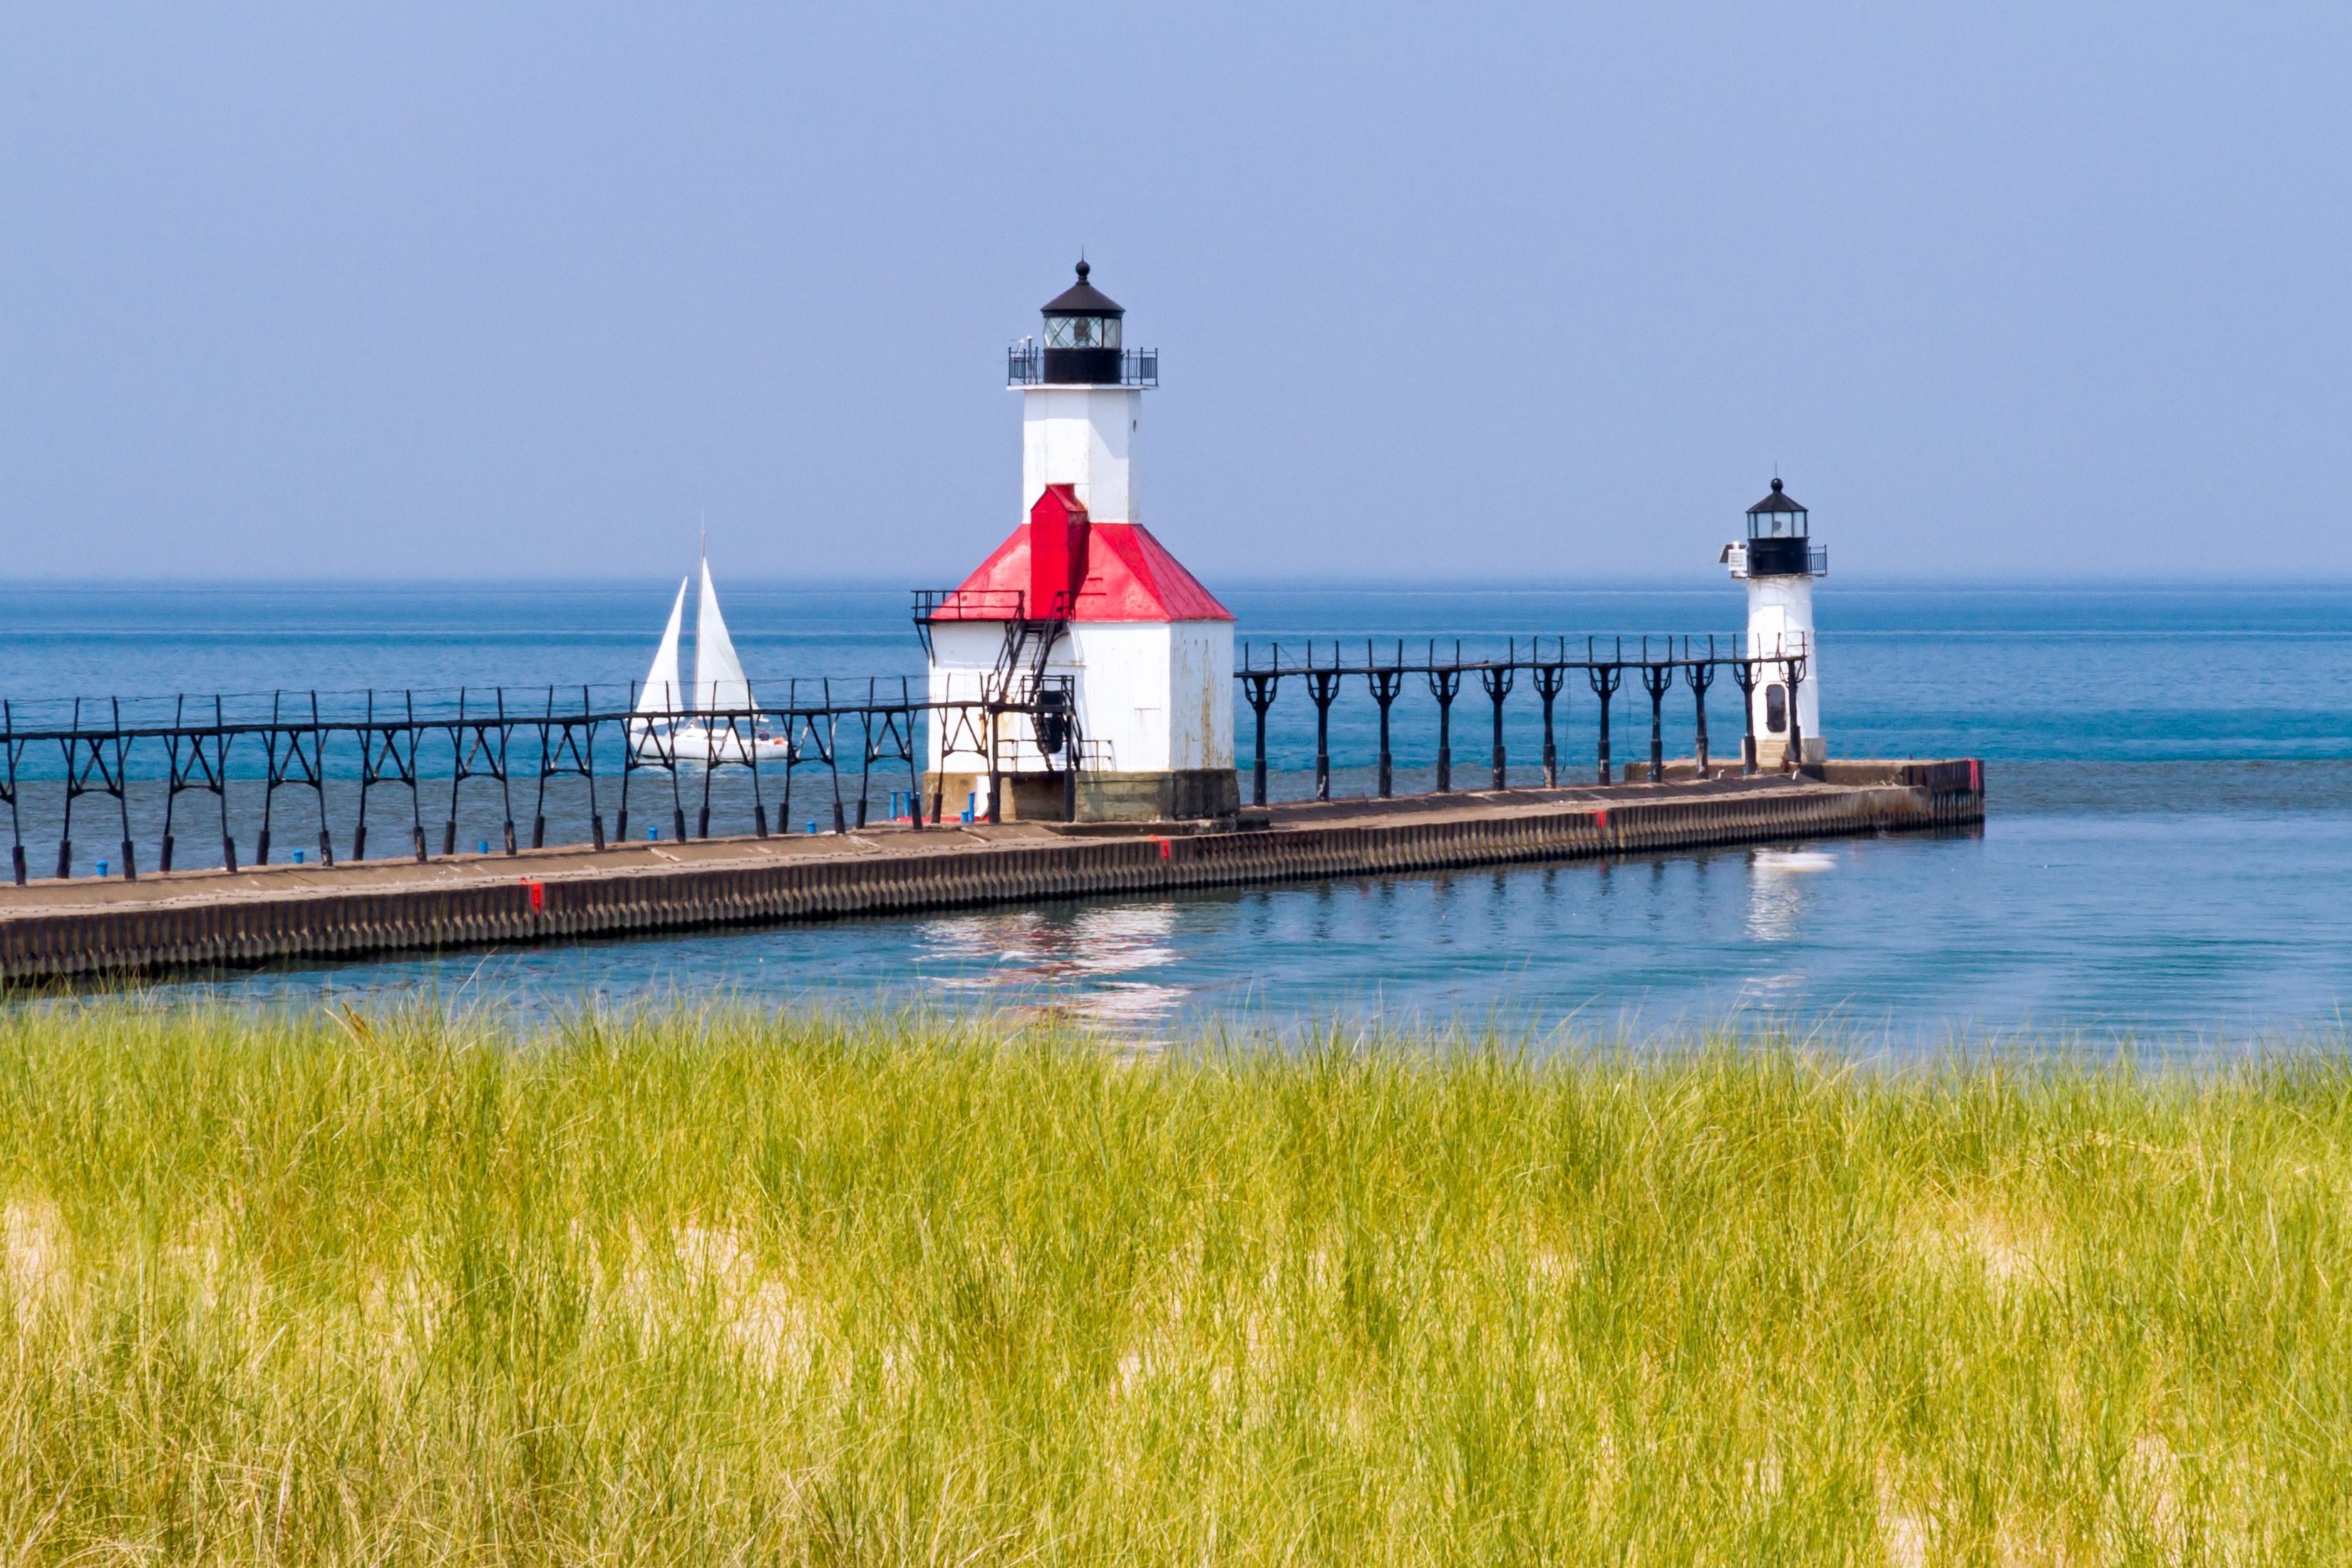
1779 561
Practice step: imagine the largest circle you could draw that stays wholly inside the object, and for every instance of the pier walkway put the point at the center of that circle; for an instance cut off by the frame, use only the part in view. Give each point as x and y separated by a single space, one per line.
55 928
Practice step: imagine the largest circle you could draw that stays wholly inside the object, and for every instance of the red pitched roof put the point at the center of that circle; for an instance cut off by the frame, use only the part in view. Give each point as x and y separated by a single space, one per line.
1129 576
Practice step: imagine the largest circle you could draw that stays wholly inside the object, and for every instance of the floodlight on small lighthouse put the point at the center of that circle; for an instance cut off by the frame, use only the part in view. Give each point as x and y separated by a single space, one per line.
1779 561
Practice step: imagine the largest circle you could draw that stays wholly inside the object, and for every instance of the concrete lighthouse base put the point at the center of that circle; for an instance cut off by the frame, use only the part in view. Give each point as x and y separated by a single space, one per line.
1772 752
1184 794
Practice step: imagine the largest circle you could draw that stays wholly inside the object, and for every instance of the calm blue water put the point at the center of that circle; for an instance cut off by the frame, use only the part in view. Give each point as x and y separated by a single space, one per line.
2168 854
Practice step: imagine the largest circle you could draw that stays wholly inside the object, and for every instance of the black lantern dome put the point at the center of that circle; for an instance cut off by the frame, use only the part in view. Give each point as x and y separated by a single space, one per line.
1084 345
1777 516
1083 333
1779 543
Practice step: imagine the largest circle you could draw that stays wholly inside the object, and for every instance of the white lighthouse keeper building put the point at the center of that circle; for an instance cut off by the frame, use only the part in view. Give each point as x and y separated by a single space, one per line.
1779 561
1083 605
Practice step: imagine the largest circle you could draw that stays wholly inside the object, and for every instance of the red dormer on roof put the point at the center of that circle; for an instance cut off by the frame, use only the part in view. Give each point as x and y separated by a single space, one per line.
1120 571
1058 527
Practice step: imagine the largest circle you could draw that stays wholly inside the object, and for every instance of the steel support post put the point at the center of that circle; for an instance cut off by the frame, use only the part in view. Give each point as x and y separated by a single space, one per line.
228 842
1743 674
1657 679
1604 679
995 777
1549 679
1322 688
1385 684
1700 674
1795 762
1258 685
1445 685
1498 680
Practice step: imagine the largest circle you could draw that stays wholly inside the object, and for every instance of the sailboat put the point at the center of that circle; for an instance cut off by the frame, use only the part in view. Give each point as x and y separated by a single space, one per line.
671 719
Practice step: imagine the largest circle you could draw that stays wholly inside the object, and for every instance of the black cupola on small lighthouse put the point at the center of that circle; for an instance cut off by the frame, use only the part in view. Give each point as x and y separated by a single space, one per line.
1779 543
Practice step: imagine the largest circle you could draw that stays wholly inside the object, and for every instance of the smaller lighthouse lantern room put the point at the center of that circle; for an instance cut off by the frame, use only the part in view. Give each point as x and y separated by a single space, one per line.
1082 612
1778 560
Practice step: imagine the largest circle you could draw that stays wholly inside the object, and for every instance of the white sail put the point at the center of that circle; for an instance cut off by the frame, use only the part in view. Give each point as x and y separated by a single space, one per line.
719 679
661 689
661 692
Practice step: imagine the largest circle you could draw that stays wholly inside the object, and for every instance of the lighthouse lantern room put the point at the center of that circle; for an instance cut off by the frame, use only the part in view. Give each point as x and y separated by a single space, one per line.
1779 561
1082 610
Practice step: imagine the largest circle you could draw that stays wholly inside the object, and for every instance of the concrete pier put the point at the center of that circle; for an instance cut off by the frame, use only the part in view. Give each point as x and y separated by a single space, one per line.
202 919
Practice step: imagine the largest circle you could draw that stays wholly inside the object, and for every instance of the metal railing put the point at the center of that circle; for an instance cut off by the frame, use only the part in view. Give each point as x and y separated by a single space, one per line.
969 605
1008 605
1738 556
1024 365
1658 665
334 753
264 760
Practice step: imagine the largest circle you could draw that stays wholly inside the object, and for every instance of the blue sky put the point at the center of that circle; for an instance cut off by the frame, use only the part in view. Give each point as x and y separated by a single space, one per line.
1465 292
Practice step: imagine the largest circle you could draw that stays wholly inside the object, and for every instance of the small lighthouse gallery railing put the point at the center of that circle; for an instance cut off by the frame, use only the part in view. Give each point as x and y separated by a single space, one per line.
1551 665
334 754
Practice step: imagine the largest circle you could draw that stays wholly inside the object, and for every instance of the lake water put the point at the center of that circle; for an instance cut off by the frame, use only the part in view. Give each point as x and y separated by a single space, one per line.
2168 855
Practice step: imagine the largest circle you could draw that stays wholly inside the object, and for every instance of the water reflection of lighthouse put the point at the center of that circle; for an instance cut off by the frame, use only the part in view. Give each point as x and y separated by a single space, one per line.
1086 962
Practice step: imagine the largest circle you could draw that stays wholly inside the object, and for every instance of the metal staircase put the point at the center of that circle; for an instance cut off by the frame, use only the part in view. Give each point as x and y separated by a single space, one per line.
1028 647
1021 682
1050 702
1018 687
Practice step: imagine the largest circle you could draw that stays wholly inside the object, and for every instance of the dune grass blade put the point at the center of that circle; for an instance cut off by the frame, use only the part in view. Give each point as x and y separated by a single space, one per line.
728 1287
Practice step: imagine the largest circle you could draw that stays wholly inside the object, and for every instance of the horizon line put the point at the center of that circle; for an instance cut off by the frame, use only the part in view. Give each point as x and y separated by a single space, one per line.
1366 583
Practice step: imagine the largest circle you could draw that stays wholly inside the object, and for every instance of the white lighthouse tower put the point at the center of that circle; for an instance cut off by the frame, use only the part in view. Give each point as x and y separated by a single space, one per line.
1779 561
1081 610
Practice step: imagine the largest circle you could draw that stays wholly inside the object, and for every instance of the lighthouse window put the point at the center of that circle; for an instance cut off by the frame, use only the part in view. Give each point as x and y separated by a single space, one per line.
1082 332
1776 709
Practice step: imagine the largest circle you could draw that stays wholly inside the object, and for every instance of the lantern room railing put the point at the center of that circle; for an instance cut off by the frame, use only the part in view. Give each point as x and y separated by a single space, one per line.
1777 558
1024 365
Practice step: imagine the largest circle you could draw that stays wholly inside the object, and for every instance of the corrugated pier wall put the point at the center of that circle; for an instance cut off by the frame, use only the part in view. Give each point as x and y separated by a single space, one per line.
176 922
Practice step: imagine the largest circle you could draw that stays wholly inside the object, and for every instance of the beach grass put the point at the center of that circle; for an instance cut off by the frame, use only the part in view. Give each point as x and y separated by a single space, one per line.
721 1287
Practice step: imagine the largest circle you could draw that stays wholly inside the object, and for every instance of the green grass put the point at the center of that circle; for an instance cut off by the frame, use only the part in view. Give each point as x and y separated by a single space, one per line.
732 1289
